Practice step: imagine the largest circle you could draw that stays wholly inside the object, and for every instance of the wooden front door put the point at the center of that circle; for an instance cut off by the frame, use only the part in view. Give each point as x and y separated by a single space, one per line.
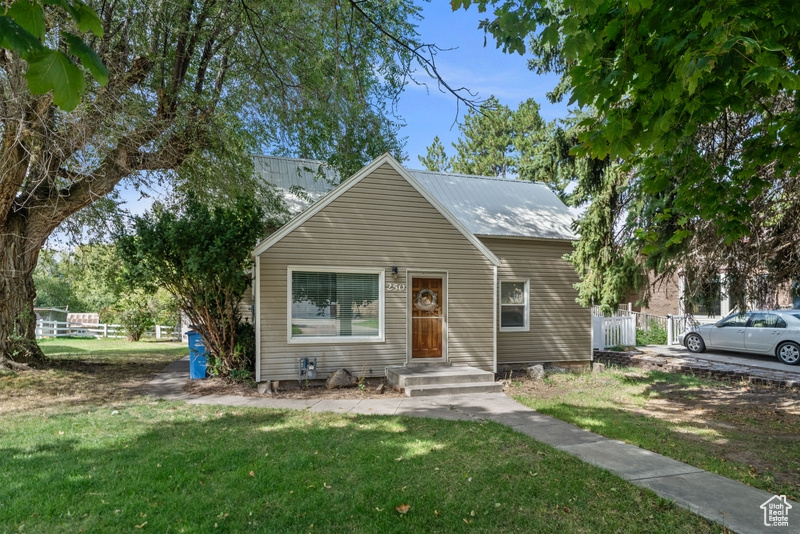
427 318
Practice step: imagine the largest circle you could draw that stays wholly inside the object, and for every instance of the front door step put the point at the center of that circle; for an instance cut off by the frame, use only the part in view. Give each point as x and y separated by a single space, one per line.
430 380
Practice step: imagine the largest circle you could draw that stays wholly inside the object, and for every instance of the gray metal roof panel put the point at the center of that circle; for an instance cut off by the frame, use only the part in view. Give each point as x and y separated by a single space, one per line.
287 174
486 206
499 206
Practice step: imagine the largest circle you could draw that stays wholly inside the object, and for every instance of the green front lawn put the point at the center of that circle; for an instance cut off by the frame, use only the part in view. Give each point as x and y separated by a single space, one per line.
83 451
110 349
153 466
739 431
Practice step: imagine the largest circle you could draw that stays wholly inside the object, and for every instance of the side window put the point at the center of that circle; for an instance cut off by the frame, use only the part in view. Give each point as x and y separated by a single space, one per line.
735 320
766 320
775 321
514 305
758 320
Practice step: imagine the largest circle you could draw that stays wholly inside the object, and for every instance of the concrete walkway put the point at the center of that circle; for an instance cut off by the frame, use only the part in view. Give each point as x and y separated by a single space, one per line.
727 502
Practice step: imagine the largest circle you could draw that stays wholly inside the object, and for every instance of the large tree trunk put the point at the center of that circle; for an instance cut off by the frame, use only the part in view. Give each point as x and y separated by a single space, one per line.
18 256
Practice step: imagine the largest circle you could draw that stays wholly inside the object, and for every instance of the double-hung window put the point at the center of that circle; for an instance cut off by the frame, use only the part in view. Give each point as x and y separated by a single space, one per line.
514 305
335 305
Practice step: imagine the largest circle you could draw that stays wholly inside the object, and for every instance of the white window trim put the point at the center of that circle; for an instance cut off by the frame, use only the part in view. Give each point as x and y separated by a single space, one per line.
527 326
337 340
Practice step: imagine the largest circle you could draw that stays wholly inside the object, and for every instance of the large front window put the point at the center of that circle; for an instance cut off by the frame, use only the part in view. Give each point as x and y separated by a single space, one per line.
335 305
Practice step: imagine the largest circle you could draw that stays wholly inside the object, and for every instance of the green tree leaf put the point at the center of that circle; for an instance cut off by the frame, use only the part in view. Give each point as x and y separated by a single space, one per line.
761 74
29 16
52 70
697 105
88 57
85 17
16 38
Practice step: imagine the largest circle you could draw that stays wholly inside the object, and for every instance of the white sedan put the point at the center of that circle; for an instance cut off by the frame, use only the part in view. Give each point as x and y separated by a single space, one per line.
775 333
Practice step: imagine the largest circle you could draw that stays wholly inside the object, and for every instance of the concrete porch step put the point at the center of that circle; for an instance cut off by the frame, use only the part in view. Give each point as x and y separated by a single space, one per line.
453 389
428 380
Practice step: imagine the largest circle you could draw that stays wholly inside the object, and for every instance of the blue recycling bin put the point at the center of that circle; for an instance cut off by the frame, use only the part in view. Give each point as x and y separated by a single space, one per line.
197 356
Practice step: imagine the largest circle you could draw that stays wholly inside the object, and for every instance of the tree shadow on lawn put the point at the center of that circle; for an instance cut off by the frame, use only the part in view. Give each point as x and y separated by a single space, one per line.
115 356
766 461
73 382
737 402
62 350
174 467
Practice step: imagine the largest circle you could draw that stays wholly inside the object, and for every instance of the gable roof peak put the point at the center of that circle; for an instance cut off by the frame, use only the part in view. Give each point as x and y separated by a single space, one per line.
485 206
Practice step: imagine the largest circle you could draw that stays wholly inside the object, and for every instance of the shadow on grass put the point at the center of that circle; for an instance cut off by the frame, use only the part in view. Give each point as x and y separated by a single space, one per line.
116 355
768 462
87 380
660 377
52 350
170 467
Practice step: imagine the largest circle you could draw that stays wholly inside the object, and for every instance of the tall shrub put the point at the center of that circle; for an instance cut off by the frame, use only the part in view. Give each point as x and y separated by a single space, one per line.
200 255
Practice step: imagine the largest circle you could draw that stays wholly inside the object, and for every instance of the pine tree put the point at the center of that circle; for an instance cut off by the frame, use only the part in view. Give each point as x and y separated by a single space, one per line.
485 145
436 159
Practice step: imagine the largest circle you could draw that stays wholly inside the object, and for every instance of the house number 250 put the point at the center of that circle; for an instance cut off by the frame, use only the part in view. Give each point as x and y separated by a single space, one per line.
395 287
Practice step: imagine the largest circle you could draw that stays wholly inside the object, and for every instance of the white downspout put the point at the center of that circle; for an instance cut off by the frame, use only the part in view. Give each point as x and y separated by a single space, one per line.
257 314
495 290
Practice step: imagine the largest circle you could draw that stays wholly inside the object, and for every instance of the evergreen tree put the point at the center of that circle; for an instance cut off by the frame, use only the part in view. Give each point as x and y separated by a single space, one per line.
436 159
496 141
485 146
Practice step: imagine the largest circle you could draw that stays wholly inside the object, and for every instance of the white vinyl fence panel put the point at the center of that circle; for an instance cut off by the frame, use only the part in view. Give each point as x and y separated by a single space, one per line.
678 324
613 331
644 321
64 329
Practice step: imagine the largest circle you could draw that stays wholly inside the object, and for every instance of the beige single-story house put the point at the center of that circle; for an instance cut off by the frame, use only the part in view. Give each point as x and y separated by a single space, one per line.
396 267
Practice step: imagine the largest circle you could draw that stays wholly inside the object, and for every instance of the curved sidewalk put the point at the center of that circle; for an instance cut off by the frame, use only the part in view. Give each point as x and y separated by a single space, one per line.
725 501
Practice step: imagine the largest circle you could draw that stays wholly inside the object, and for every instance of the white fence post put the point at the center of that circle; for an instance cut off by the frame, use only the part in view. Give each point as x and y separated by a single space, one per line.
158 331
670 330
598 333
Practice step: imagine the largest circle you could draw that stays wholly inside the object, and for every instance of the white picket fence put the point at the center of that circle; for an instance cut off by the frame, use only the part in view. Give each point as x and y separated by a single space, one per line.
678 324
620 329
613 331
644 321
65 329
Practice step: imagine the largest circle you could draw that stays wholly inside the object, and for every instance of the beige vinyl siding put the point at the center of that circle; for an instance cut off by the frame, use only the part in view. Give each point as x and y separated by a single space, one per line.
246 305
560 329
380 222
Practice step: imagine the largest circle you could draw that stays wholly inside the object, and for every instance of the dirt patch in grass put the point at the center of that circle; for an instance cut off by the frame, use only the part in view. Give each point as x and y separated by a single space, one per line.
78 382
75 382
290 389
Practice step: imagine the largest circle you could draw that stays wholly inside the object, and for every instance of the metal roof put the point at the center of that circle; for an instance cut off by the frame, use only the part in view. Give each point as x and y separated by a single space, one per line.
301 181
500 206
485 206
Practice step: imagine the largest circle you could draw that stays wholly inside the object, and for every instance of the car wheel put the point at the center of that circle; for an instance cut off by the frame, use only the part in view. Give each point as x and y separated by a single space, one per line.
789 353
695 343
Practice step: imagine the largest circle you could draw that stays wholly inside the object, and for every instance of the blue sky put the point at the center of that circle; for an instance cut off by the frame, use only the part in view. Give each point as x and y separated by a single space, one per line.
485 70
